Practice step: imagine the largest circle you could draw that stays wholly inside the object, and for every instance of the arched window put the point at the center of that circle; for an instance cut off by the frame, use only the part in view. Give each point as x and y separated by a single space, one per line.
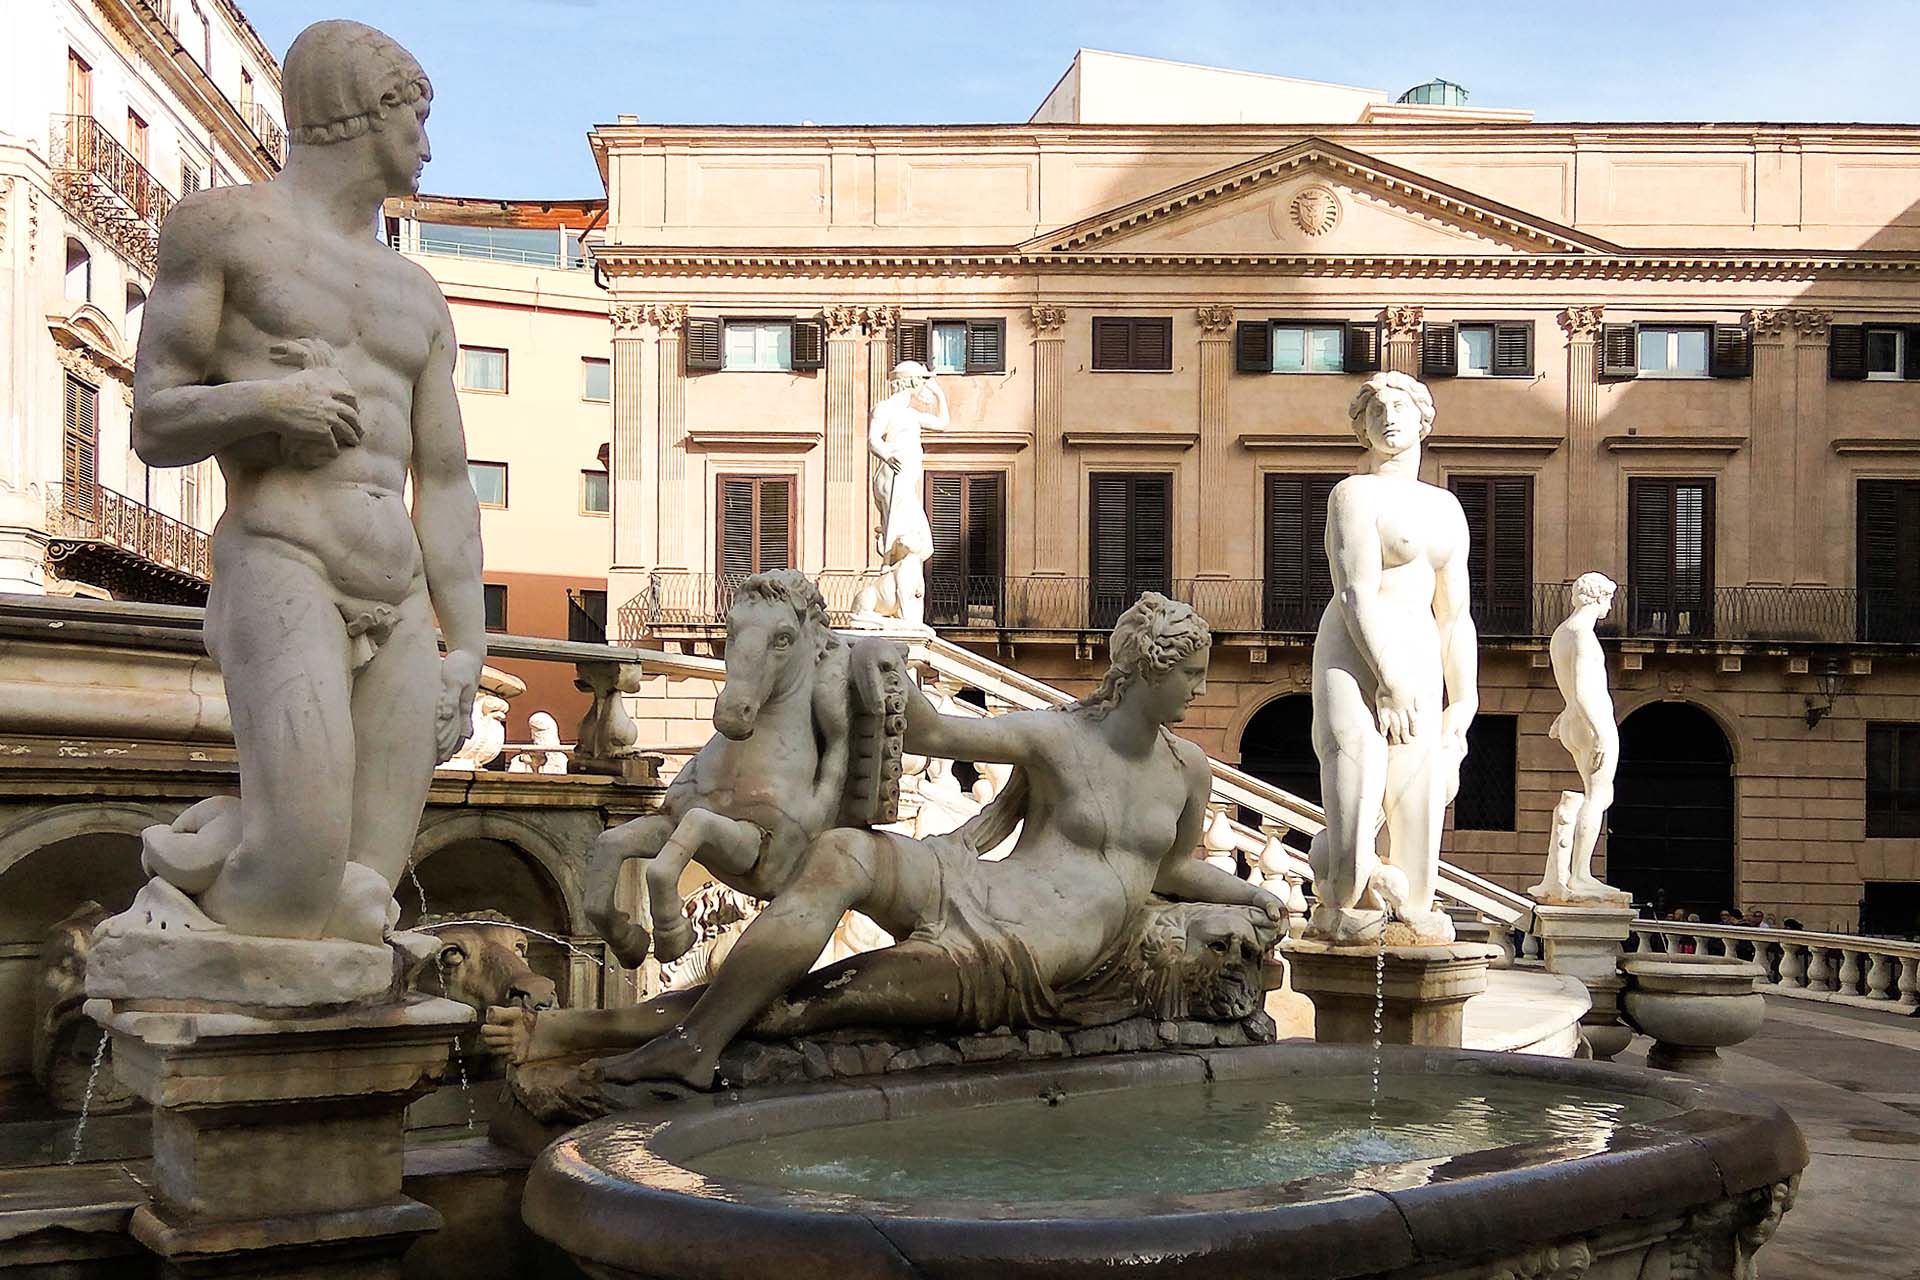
79 272
136 307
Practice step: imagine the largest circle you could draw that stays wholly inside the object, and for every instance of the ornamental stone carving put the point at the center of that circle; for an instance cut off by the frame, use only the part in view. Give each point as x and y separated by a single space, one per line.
630 318
33 222
1568 1261
1315 209
627 318
1582 321
841 319
1049 320
1811 324
1773 322
1214 319
880 320
1403 322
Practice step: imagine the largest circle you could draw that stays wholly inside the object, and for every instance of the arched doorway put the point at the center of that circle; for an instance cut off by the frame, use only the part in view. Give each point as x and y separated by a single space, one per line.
1670 831
1277 748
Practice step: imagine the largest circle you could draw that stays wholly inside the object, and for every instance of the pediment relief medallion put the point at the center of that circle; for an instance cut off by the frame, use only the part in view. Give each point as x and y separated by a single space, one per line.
1315 209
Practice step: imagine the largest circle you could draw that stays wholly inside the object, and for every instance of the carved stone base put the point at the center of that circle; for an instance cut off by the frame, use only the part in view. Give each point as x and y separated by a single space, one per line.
277 1144
1585 942
1423 993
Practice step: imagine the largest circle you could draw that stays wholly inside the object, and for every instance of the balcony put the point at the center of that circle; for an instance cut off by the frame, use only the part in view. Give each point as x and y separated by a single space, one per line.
272 136
101 183
107 539
693 602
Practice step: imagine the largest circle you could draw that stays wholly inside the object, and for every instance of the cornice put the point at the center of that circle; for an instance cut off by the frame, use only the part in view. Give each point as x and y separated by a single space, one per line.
1677 443
1263 440
972 441
1854 446
1106 438
766 439
1542 445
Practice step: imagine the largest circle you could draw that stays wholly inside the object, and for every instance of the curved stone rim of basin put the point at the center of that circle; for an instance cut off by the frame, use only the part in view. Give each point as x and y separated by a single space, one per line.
1682 972
619 1197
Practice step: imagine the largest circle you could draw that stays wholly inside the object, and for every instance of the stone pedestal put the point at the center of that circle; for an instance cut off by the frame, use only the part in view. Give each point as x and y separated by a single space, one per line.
1425 990
277 1142
1585 942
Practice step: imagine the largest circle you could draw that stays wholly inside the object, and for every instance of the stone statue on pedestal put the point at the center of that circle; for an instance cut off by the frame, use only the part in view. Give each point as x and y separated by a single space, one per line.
315 365
1586 729
904 541
1394 677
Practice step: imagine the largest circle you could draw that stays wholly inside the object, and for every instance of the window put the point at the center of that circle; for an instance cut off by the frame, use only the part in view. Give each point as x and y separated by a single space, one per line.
967 511
483 369
79 86
1299 348
954 346
1134 343
756 528
1130 540
1670 556
79 283
1672 351
137 136
1298 581
759 345
80 449
1893 779
494 600
489 482
190 495
1487 777
597 380
1886 355
189 175
246 95
1873 352
1887 560
1306 346
1499 511
596 498
587 616
1477 349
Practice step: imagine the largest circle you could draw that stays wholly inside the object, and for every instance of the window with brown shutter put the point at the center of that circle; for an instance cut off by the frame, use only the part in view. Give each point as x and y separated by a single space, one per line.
1893 779
1670 556
1439 353
1847 352
1253 346
1887 560
809 345
1140 344
1488 775
967 512
1619 351
1362 347
1130 540
1298 581
493 600
1499 511
756 530
80 450
700 344
954 346
911 341
1732 354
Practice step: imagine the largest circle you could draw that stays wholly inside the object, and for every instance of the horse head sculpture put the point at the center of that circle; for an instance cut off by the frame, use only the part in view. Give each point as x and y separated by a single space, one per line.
776 633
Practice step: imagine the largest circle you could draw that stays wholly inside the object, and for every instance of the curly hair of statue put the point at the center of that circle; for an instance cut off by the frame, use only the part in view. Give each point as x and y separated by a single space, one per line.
795 590
1391 380
1150 639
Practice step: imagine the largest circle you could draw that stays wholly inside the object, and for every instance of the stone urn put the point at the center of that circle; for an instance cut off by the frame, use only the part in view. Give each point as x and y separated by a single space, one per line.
1693 1006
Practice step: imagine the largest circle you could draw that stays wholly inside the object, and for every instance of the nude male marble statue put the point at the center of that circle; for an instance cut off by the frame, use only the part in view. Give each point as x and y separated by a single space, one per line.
315 365
1394 677
904 540
1586 729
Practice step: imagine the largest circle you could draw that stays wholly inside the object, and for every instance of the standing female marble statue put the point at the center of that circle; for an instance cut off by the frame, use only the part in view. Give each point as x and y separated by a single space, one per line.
904 540
1110 804
1393 676
1586 729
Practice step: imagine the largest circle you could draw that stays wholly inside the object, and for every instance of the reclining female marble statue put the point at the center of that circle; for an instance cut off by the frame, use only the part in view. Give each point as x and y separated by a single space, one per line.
1394 677
1109 804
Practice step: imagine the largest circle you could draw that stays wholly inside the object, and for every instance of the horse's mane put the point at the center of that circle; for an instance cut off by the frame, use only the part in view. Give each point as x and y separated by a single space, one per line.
794 589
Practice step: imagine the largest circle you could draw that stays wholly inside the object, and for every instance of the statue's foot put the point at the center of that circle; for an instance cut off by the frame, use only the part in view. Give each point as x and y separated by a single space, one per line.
673 939
189 852
1588 889
1430 928
161 907
360 914
1345 926
671 1065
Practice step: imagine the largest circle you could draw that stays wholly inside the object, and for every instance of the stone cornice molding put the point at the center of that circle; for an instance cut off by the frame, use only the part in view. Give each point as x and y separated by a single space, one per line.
1675 443
1048 320
759 439
1130 438
632 319
1402 321
1215 320
1582 322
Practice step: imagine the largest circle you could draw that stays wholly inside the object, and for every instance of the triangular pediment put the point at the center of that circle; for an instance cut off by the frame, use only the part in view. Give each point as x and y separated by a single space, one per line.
1319 198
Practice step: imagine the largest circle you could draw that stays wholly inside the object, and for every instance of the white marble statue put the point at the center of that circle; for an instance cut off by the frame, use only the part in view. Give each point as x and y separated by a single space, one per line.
1394 669
488 739
903 539
1586 729
315 364
546 733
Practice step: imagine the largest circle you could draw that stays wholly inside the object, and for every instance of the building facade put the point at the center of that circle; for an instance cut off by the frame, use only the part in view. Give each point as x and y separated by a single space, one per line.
1678 354
110 112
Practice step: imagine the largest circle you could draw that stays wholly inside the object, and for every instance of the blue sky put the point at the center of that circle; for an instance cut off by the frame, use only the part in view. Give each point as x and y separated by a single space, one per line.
519 82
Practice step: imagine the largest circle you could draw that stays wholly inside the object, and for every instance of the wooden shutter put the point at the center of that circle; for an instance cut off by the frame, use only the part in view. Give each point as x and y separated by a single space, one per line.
1847 352
913 340
736 529
1112 342
947 569
1887 560
775 525
1910 369
1130 540
986 346
809 345
1499 511
700 344
80 450
1732 352
1649 550
1439 351
756 526
1362 349
1253 346
1693 557
1152 343
1670 556
1299 581
967 510
1512 349
1619 351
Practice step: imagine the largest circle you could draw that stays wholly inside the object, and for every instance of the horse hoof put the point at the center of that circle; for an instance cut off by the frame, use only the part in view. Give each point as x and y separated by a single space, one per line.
673 940
627 940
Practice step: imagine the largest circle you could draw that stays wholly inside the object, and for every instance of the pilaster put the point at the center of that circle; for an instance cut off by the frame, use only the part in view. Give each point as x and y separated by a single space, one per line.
1590 488
1053 495
845 525
678 539
635 432
1214 553
1811 474
1400 327
1770 447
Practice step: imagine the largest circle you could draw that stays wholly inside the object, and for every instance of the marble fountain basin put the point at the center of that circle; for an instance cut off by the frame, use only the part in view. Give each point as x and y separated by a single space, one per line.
1266 1161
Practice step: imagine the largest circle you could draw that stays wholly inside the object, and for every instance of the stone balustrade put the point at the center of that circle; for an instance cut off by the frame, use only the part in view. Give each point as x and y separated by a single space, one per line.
1875 973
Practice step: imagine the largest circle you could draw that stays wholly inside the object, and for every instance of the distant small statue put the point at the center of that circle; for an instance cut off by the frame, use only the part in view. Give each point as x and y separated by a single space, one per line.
904 539
488 739
1587 730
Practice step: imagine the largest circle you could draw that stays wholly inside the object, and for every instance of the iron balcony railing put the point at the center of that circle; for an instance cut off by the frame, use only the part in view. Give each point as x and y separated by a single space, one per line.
272 136
1814 615
103 185
95 513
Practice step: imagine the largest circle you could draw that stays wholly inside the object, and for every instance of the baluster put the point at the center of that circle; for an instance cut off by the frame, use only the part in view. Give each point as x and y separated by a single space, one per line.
1882 972
1530 947
1819 970
1910 980
1774 956
1849 981
1793 965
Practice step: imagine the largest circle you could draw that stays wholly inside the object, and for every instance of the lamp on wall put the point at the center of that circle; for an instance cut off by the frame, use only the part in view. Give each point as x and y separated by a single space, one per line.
1827 685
